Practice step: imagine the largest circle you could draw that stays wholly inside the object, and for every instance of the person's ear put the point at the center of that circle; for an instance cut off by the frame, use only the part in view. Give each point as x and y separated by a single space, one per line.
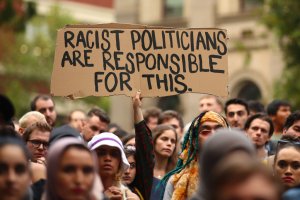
21 130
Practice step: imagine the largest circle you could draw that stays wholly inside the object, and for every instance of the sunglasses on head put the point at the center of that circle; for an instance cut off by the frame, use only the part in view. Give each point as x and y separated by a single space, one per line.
286 142
129 148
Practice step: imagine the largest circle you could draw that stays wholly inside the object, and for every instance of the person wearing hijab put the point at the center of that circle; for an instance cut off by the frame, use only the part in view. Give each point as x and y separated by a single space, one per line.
72 172
227 150
182 182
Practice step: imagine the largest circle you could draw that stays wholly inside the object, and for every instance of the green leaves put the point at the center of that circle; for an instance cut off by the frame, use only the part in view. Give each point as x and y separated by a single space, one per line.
283 17
28 57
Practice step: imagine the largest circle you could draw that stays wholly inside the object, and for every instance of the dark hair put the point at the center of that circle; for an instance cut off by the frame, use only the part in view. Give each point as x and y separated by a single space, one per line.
42 126
127 138
118 131
44 97
236 101
151 112
274 106
7 110
62 132
170 114
157 131
10 136
256 106
290 138
100 113
292 118
263 117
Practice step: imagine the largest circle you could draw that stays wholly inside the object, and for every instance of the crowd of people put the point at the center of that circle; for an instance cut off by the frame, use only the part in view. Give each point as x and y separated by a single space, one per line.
235 150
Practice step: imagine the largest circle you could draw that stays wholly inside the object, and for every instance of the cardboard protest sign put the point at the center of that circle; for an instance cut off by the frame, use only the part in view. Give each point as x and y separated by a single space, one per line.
113 59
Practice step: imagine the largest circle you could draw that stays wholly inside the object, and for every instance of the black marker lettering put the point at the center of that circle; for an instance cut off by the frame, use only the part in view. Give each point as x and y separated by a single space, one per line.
114 81
211 41
200 41
98 80
148 77
80 39
124 79
106 58
135 38
117 60
192 62
174 60
170 33
223 35
66 57
76 58
89 45
202 69
178 81
117 32
144 39
150 59
68 37
163 81
212 63
129 57
87 58
105 35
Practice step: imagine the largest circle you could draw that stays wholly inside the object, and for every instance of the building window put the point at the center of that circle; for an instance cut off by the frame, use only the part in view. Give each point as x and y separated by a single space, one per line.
249 91
249 5
173 8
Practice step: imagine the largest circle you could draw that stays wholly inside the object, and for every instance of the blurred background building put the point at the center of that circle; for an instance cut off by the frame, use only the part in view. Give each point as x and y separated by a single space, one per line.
255 61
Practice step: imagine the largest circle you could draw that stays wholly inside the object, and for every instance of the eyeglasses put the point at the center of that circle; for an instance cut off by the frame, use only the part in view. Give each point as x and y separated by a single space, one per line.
37 143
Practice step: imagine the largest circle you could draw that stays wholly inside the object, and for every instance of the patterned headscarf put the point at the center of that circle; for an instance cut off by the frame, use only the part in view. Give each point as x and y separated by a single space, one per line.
185 175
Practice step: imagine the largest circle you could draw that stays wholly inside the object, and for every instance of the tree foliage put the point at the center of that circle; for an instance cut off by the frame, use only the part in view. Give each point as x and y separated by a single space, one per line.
283 17
29 56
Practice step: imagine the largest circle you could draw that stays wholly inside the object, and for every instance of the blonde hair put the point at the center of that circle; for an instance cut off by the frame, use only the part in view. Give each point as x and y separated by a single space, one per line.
31 117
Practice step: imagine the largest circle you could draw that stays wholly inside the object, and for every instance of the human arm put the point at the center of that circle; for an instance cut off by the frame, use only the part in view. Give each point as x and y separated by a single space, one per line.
137 108
144 151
